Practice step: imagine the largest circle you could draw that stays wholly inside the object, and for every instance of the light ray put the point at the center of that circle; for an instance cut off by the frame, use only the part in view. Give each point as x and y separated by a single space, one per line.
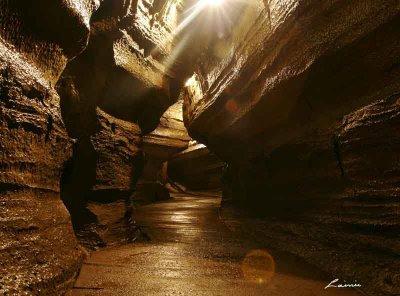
218 14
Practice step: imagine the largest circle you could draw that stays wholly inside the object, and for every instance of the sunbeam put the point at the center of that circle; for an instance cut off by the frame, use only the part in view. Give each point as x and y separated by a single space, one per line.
214 10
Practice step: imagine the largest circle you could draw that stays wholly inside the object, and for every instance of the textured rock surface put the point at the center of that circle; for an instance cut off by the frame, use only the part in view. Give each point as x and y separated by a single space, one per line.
119 164
106 45
117 145
303 110
104 169
38 249
299 97
65 36
311 62
369 148
123 69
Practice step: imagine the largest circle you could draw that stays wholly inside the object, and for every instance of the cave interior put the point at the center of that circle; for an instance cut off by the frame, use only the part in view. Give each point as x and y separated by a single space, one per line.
259 133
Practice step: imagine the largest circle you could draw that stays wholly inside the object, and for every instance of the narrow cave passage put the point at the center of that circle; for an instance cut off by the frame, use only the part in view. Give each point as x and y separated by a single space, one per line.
184 240
199 147
192 251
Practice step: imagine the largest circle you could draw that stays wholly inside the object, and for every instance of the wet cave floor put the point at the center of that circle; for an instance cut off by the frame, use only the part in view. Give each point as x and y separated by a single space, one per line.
193 252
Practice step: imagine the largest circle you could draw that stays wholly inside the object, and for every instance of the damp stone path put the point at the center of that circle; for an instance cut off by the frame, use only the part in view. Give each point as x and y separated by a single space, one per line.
191 252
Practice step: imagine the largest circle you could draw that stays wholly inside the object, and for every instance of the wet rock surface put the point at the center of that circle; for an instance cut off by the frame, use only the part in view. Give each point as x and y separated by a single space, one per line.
39 251
103 171
368 145
121 71
295 60
191 252
117 70
119 157
302 110
298 98
167 139
65 35
96 47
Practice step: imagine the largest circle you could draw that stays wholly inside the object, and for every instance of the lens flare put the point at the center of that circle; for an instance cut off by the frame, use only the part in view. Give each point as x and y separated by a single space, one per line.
231 106
258 267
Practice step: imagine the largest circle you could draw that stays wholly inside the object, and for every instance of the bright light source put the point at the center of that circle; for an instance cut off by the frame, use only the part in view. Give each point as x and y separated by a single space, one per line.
212 2
191 81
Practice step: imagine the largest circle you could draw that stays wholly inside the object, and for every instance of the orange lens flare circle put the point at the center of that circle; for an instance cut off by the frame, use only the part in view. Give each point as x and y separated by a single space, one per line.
258 267
231 106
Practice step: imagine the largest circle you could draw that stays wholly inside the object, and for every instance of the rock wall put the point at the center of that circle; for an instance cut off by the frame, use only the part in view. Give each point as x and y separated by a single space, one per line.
39 251
66 34
124 72
303 108
117 146
59 61
168 138
300 98
103 172
123 69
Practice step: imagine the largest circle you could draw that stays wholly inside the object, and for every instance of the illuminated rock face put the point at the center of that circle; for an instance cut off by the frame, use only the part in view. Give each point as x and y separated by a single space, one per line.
302 108
123 70
99 178
117 144
59 61
299 99
65 35
39 252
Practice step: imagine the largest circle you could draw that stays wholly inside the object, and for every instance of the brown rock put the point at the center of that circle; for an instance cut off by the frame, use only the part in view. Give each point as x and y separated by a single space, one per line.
297 109
166 140
123 69
47 33
39 251
369 147
104 170
293 67
117 145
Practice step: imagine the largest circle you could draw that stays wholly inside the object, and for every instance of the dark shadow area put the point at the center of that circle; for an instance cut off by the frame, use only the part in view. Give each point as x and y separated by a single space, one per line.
77 180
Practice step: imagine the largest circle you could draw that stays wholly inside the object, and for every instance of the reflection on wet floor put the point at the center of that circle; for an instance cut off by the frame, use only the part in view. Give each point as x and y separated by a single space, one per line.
191 252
